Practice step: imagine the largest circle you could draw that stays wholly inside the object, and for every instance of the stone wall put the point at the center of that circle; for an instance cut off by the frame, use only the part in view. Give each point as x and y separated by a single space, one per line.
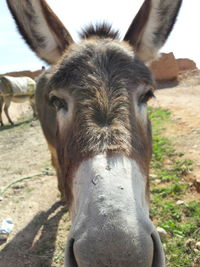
168 68
165 68
185 64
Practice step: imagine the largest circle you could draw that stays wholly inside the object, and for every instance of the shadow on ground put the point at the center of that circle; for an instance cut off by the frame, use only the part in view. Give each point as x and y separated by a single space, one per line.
167 84
34 245
11 126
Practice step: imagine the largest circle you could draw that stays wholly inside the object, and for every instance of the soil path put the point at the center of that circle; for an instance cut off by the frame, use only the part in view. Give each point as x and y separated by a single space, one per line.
32 204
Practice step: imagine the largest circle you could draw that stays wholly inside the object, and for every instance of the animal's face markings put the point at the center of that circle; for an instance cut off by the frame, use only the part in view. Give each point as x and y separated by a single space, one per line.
102 80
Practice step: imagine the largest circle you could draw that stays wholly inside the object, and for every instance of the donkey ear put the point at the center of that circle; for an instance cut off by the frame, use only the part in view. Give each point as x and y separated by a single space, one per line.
151 27
41 28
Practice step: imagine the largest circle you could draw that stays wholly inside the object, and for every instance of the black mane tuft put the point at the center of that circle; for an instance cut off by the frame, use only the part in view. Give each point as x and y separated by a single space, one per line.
100 30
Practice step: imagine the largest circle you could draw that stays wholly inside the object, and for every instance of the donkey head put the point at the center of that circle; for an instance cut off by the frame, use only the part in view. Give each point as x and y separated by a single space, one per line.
92 105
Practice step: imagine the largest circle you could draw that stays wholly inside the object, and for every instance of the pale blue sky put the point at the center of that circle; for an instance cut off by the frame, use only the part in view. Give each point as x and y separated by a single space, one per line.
15 55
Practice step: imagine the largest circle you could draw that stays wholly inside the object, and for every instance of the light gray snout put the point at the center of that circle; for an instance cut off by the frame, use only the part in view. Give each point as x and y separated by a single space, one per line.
111 225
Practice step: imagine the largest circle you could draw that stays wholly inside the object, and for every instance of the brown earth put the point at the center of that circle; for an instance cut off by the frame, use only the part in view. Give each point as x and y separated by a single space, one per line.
33 204
40 221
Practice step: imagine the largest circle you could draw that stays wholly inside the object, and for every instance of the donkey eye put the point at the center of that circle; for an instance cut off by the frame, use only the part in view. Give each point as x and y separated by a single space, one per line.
58 103
147 96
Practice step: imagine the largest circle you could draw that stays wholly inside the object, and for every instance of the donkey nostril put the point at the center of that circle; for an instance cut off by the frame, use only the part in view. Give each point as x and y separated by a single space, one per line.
96 179
71 256
158 253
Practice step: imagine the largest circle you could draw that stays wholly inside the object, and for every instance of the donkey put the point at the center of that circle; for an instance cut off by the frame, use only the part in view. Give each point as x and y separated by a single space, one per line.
92 105
16 89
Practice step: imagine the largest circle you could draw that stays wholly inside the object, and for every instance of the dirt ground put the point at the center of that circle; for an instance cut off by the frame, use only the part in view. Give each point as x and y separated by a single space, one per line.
32 204
183 101
40 220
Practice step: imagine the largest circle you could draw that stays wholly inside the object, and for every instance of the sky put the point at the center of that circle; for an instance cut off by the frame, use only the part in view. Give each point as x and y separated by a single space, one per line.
15 55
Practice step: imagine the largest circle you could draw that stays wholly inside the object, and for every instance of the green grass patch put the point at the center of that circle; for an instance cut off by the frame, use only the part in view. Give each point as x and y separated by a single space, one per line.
181 221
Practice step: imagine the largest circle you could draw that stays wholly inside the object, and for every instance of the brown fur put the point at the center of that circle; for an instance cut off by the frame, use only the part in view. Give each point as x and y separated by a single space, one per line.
102 79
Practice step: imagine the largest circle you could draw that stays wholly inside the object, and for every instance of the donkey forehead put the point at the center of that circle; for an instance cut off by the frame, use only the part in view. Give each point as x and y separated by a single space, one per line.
100 61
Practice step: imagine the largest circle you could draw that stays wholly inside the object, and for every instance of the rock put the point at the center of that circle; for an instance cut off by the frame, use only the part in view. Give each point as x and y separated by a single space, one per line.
168 162
165 68
196 184
163 234
185 64
180 202
196 250
153 176
190 242
198 245
17 187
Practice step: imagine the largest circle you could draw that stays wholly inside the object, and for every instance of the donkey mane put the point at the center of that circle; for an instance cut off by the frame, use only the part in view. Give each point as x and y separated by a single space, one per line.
101 30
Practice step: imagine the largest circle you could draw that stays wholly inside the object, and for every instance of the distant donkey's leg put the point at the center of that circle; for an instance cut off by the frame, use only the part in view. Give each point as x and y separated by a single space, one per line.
6 106
32 103
1 108
54 161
